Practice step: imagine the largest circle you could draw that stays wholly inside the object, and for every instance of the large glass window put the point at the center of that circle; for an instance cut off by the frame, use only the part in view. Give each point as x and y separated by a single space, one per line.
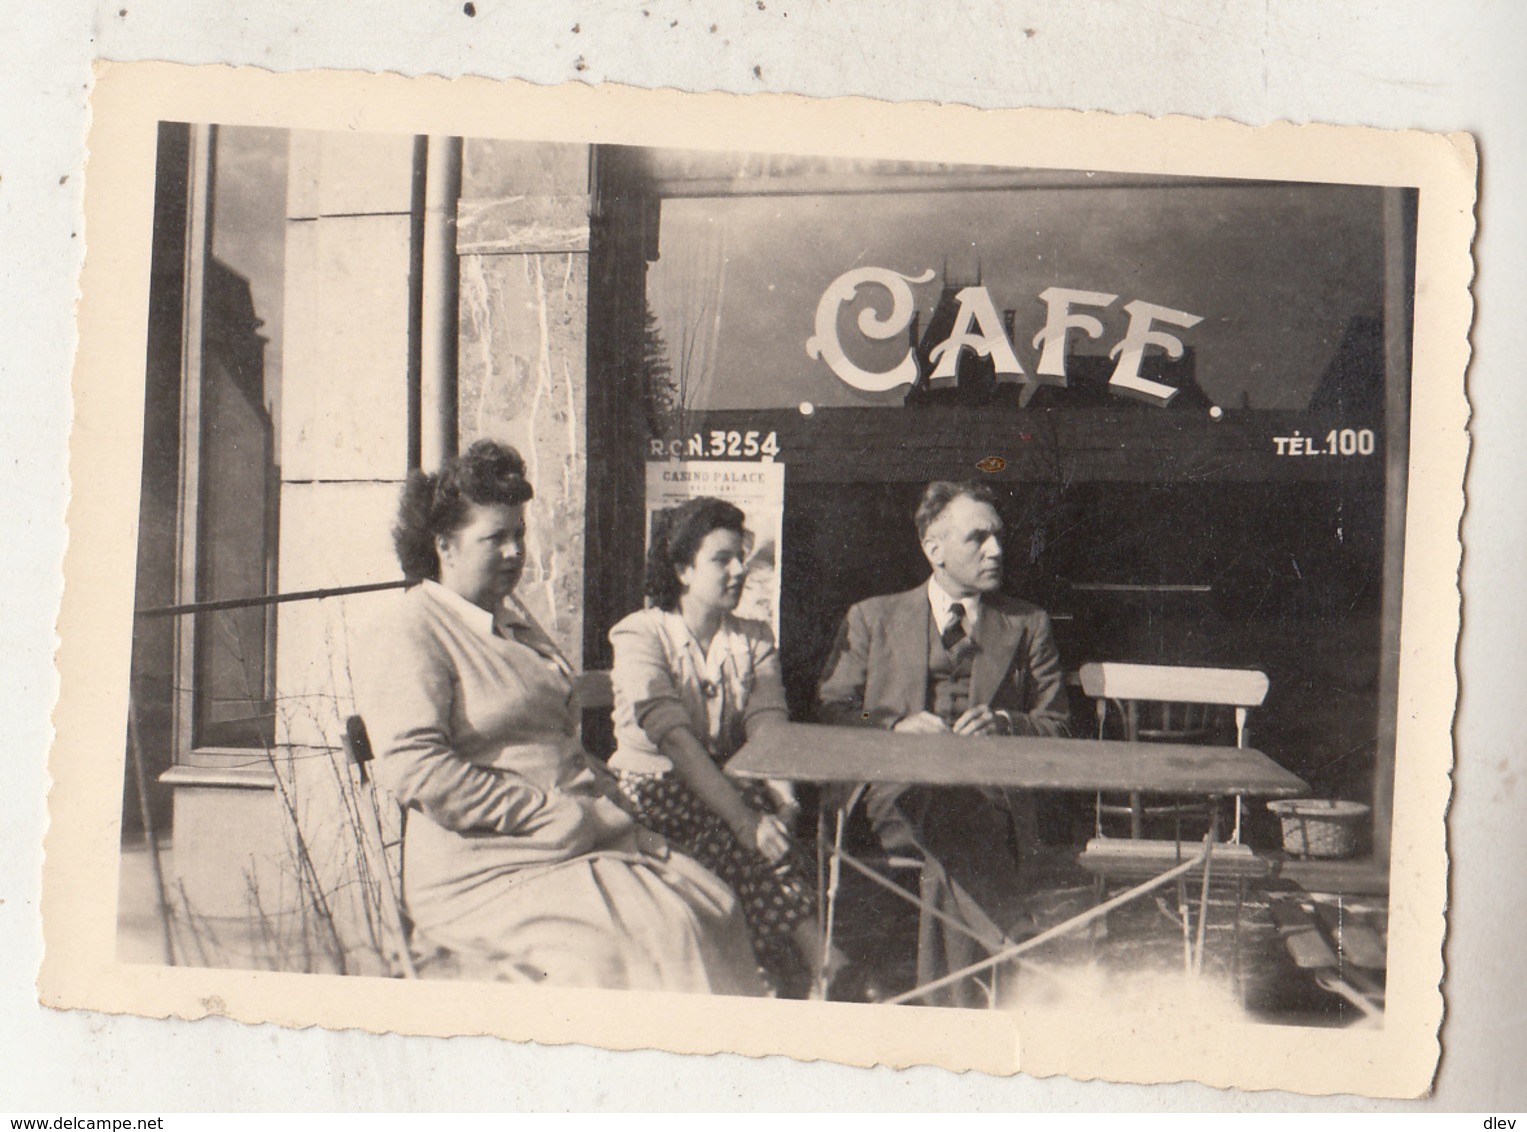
203 677
1240 519
235 502
1286 279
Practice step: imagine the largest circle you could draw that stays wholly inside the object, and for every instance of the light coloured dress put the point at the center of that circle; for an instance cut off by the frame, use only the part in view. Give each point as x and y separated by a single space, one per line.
514 849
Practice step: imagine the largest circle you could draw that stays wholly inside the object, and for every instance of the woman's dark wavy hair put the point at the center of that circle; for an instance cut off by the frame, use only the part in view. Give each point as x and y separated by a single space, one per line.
676 537
435 505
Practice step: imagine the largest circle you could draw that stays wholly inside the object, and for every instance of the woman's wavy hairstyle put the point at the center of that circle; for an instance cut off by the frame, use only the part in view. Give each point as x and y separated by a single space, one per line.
676 537
436 505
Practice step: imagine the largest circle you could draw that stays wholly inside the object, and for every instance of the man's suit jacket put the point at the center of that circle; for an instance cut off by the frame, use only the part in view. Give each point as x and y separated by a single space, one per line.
877 672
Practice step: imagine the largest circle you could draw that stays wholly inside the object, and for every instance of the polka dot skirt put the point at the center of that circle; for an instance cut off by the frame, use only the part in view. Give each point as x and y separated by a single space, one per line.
772 902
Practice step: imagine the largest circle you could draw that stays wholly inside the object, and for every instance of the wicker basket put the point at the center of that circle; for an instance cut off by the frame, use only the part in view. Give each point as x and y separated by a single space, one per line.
1319 827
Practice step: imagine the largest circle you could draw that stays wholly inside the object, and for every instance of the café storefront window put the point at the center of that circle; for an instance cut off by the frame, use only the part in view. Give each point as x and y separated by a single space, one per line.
1190 397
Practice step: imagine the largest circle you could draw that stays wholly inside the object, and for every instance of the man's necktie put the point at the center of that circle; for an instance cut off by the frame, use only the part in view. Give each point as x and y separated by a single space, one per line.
954 631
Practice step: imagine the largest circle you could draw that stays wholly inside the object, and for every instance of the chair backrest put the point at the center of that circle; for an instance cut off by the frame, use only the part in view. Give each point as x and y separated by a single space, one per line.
1129 684
357 746
1235 687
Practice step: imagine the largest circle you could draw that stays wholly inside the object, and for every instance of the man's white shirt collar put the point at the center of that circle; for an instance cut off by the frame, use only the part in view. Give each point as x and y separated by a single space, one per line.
942 603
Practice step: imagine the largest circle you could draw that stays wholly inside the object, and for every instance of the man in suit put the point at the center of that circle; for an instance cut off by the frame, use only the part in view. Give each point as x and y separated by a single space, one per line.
953 655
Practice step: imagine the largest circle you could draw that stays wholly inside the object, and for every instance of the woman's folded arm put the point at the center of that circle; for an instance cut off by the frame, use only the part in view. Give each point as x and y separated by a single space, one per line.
405 695
421 771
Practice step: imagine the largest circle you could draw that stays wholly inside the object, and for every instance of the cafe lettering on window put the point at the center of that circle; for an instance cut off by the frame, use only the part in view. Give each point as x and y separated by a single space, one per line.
978 329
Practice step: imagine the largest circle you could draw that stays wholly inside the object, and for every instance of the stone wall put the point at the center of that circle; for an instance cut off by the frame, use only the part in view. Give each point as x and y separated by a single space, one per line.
523 237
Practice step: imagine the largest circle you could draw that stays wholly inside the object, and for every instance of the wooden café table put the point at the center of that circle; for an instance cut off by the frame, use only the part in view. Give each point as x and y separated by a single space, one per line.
857 757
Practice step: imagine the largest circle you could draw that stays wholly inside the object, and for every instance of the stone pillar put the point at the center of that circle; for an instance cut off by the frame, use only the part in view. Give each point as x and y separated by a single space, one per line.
523 237
343 454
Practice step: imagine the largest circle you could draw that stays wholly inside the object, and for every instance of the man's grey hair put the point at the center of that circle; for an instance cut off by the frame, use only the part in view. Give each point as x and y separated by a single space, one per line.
940 494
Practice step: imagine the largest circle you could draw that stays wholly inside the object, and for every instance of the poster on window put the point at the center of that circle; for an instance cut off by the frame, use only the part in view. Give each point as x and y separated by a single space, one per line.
758 490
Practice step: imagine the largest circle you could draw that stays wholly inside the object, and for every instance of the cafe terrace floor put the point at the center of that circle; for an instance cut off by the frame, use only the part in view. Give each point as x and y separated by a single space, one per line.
1133 957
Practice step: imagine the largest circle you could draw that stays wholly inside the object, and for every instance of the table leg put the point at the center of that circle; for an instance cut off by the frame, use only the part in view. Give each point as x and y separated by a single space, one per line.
1185 918
1235 936
819 977
821 863
1203 892
1099 894
959 951
834 875
927 925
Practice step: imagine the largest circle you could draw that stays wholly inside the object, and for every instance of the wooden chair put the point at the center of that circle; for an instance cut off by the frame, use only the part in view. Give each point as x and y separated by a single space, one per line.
1168 704
399 953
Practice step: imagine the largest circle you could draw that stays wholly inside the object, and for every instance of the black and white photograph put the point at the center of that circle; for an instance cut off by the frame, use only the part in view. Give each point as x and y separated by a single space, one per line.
930 595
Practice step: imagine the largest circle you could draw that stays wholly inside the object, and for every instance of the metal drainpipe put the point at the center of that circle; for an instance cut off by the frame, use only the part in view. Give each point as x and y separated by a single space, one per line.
440 304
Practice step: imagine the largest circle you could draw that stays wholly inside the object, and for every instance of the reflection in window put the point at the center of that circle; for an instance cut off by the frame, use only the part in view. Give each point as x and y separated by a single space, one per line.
236 500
